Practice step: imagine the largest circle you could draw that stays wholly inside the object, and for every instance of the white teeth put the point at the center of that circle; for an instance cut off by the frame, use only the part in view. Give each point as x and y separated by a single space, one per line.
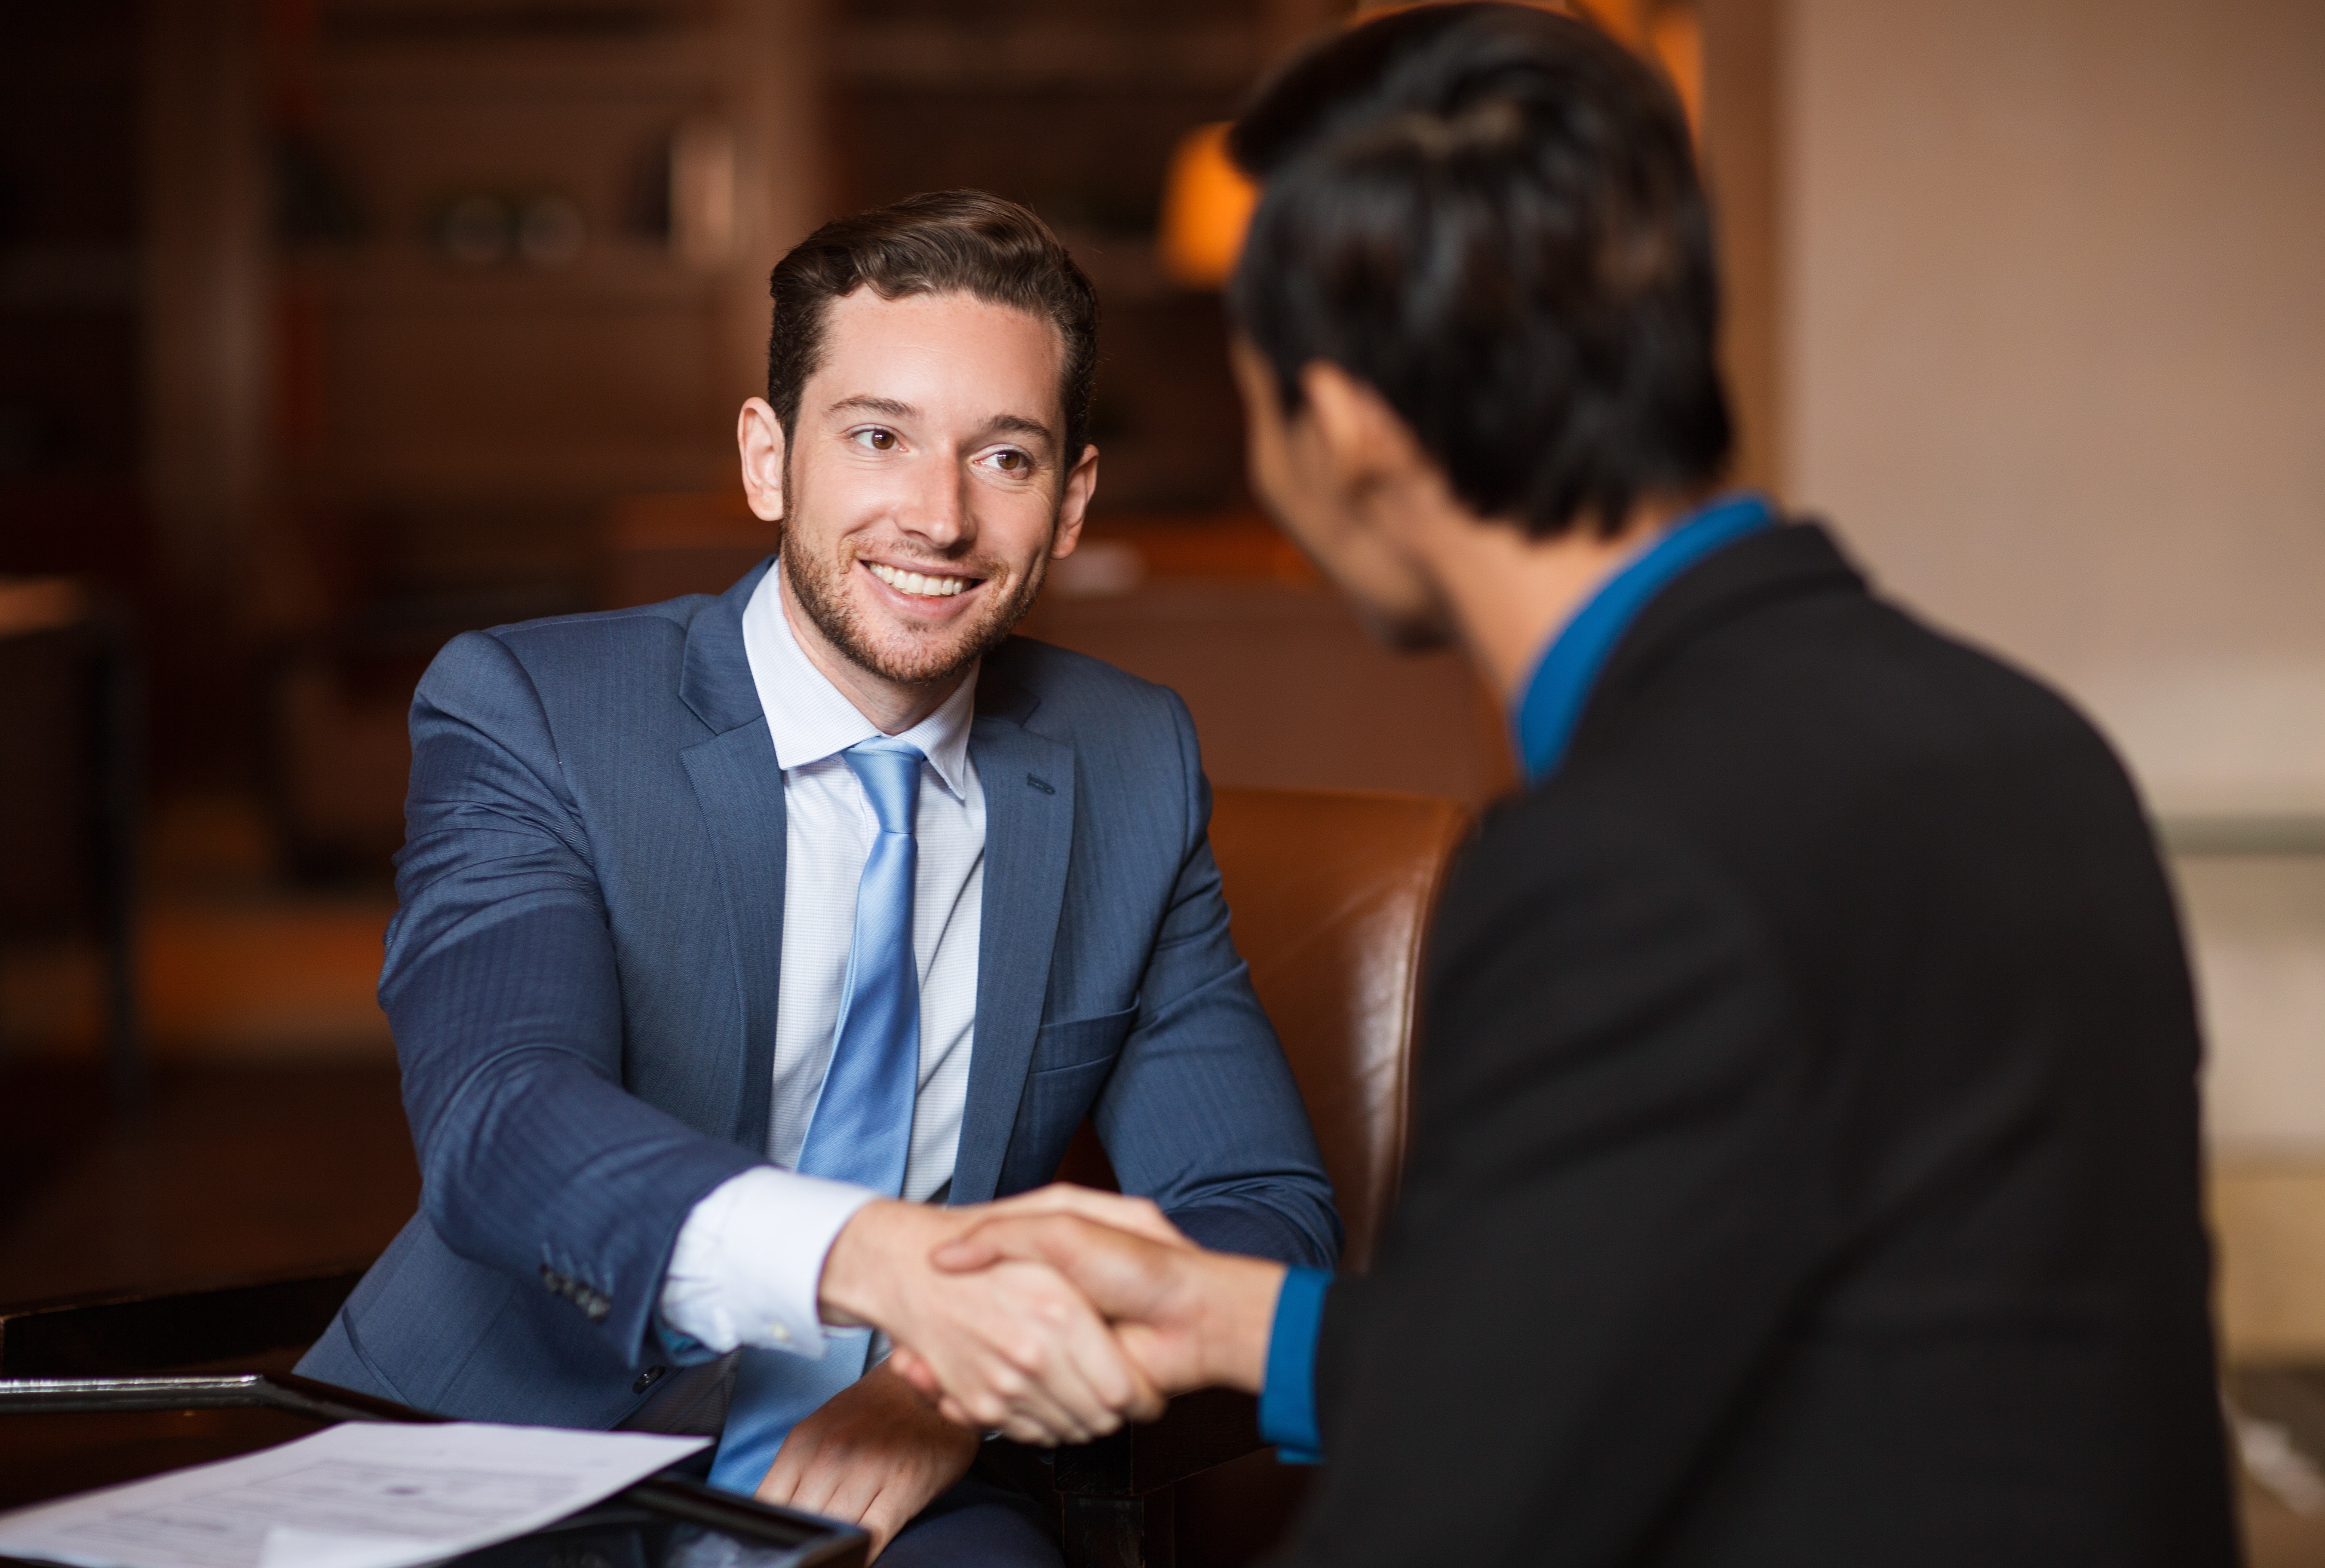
916 584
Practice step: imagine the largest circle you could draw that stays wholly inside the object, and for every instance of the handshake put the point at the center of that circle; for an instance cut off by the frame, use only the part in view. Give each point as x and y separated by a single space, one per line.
1053 1316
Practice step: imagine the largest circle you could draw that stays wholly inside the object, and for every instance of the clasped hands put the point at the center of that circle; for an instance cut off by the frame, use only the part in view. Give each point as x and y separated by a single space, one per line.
1053 1316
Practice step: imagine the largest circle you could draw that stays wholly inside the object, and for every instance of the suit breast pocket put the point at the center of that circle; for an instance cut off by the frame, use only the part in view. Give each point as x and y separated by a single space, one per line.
1062 1047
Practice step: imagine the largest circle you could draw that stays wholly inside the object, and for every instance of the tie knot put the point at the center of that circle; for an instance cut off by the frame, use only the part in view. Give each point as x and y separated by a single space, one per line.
890 771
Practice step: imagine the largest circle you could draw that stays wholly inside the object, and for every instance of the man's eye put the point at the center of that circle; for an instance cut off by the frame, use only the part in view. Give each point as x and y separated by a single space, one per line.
879 440
1010 462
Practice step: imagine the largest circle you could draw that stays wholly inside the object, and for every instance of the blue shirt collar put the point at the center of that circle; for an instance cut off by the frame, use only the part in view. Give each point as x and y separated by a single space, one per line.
1552 705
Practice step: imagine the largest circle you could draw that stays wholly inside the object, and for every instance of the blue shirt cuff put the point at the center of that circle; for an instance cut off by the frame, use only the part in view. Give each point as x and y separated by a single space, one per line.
681 1349
1287 1398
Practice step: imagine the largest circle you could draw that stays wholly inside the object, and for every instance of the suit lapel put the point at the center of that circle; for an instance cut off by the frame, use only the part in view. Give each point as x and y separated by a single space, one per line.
1029 832
740 789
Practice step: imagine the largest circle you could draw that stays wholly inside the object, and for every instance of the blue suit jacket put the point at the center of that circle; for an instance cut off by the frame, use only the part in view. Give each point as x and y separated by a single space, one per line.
582 978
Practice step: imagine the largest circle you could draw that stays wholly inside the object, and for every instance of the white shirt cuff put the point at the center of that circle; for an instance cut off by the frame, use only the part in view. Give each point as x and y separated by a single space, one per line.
749 1259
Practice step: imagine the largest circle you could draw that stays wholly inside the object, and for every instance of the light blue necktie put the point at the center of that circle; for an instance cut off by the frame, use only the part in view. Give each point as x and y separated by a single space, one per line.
862 1129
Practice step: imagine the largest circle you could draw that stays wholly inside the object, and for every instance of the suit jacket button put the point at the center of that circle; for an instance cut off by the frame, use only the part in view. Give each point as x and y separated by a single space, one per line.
551 1279
595 1306
646 1379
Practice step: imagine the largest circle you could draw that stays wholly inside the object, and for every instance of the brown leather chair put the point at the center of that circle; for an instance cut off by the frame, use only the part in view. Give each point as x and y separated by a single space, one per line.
1330 893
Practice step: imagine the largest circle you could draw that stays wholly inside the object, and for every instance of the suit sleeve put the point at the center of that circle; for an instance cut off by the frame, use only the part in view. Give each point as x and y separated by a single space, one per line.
1614 1203
1201 1112
500 986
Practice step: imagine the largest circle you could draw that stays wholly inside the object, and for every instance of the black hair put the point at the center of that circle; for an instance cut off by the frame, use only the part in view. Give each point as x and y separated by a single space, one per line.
1490 214
941 242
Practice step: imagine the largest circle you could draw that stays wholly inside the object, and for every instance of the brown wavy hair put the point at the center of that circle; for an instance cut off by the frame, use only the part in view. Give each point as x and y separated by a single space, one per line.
942 242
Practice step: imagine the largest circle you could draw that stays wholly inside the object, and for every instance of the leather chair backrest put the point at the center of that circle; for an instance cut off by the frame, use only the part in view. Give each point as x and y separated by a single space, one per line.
1330 893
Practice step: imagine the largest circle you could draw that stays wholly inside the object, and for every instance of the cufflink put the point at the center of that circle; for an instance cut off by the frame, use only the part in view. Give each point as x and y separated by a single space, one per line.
647 1379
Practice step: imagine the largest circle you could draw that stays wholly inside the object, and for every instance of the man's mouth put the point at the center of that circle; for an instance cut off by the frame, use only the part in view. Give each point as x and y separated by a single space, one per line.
919 585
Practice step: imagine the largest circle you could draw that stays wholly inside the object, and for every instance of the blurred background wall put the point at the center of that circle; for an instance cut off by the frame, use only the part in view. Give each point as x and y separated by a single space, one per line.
2054 350
330 328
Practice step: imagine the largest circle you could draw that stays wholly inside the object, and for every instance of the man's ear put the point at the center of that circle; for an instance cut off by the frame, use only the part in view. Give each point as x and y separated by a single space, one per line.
760 436
1073 503
1366 444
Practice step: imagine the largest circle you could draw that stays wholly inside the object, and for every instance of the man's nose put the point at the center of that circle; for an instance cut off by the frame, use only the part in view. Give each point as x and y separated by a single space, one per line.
940 514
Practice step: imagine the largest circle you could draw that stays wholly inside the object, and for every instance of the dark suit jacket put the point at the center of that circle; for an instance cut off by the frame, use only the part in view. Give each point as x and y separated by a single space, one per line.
1805 1163
581 976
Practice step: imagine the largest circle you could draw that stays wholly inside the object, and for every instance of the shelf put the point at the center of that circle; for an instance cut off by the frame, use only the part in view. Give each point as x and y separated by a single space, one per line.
681 61
528 474
971 56
394 277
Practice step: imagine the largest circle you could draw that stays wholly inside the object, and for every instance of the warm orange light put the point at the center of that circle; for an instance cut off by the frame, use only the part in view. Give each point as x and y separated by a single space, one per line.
1669 32
1677 39
1207 201
1206 204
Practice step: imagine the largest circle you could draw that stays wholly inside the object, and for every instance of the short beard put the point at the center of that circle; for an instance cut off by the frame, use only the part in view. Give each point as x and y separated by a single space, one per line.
820 590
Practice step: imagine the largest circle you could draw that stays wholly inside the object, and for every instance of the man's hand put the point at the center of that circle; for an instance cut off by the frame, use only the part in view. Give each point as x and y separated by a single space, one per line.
1014 1345
1191 1319
1139 1216
876 1454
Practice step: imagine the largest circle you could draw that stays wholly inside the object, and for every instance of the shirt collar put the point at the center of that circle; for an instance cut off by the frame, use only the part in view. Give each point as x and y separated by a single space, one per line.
810 719
1550 707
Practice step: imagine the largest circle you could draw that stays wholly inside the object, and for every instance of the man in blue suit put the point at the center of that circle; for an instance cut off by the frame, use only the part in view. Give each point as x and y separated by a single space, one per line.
743 941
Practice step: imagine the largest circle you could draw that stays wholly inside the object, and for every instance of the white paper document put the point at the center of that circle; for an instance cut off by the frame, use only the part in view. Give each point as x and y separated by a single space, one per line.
363 1494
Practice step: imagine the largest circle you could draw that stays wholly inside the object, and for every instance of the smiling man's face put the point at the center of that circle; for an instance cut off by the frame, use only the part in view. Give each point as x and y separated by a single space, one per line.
925 490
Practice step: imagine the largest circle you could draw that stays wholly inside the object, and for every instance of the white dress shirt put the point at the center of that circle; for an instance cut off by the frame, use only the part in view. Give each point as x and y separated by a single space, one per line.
748 1259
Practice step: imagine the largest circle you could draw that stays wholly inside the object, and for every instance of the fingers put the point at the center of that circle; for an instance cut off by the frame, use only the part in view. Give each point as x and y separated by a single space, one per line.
1124 1276
1122 1388
1145 1398
1139 1216
1163 1290
844 1491
820 1476
887 1513
784 1482
1056 1240
1044 1378
1050 1371
1013 1344
1160 1359
780 1485
908 1364
875 1454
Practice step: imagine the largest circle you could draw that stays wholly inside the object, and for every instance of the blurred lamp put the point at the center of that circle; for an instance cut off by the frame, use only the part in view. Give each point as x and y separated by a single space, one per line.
702 191
1207 204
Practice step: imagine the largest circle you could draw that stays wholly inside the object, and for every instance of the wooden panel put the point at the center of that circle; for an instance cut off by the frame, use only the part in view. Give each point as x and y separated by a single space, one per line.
206 267
408 151
465 376
2268 1220
1289 691
1740 155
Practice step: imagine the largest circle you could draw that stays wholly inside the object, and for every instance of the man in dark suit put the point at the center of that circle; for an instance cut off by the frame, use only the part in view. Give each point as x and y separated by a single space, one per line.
738 934
1804 1163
